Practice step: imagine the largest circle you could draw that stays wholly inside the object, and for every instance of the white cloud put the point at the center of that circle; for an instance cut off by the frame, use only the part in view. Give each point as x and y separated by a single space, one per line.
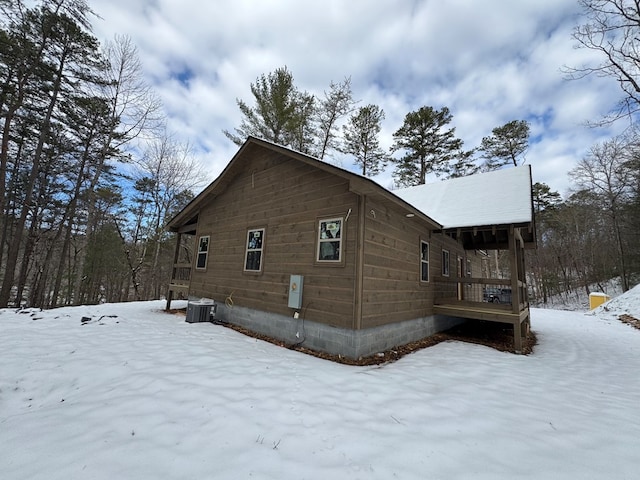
489 62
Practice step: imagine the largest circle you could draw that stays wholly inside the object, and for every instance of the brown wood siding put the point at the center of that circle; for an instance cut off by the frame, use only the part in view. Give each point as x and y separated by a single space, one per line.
286 198
392 290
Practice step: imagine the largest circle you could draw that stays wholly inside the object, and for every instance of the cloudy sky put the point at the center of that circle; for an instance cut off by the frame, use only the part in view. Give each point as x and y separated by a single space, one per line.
488 61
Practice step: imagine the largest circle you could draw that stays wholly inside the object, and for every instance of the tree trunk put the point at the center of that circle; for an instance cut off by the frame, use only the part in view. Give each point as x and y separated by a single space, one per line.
14 246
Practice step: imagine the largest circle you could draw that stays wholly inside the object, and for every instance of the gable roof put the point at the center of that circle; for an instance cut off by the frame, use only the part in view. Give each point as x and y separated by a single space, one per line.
493 198
460 206
186 219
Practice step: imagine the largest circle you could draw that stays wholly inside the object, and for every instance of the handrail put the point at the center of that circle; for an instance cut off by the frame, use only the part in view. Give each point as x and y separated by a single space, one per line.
479 290
482 281
181 274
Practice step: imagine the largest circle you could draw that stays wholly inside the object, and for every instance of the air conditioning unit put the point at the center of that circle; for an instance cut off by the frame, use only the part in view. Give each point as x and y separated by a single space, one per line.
200 311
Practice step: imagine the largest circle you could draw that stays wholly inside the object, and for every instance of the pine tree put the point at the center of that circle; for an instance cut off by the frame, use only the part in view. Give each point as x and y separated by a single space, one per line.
427 145
282 114
361 140
506 145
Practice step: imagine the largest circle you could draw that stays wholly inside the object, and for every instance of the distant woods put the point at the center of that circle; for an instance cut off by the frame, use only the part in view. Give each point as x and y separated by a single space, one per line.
88 174
593 235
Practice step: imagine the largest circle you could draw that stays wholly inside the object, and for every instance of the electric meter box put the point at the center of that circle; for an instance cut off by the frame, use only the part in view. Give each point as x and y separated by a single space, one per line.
295 291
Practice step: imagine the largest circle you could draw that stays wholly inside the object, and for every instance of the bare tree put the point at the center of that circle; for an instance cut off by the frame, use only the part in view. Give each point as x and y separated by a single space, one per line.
612 28
165 178
135 109
336 104
604 172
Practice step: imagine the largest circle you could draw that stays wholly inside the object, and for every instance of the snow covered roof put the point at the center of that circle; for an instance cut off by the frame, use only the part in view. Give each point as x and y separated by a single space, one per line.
499 197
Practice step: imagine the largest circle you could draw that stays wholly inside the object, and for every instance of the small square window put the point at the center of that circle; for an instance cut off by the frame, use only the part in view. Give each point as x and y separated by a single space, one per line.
253 257
424 261
445 263
330 240
203 252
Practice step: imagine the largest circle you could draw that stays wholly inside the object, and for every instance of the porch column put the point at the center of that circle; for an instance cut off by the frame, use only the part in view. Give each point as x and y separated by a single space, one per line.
515 289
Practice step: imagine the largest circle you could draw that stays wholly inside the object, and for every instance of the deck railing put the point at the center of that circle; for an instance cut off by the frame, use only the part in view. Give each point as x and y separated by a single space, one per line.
498 291
181 273
488 299
180 279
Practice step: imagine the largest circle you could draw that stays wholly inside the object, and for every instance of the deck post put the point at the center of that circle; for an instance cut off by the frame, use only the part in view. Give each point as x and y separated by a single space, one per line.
517 336
516 299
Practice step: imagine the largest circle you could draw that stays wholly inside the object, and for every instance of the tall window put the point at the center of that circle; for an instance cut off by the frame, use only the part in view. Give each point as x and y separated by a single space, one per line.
203 252
424 261
255 244
330 240
445 263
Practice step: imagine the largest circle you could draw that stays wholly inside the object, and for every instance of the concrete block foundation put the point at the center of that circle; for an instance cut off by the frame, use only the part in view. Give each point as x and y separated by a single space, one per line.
336 341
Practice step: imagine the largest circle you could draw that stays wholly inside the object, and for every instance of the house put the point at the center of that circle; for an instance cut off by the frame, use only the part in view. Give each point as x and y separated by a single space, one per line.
303 251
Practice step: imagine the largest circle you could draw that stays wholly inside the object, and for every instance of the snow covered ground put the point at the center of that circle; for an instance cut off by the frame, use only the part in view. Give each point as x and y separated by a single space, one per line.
136 393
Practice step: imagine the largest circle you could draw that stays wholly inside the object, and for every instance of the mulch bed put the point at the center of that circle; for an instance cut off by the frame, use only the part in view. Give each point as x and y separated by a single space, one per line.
629 320
490 334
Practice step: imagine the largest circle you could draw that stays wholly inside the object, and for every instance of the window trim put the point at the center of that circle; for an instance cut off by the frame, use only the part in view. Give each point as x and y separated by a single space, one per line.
247 250
319 241
203 252
426 262
446 265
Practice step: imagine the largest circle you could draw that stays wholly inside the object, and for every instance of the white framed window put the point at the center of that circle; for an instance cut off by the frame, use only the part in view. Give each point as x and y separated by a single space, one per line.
445 263
203 252
330 238
424 261
255 245
469 268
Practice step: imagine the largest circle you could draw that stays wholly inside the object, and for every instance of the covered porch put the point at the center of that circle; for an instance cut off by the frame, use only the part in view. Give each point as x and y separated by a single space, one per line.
503 300
491 211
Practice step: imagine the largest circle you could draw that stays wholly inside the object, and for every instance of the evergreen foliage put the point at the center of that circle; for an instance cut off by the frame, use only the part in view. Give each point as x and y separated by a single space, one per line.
69 110
427 144
361 140
506 145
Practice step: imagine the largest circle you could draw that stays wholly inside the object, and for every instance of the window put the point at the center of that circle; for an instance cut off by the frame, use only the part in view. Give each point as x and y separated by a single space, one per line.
255 244
469 268
445 263
203 252
330 240
424 261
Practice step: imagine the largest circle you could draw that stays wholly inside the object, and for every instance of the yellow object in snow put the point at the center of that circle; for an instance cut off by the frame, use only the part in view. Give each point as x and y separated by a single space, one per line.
597 299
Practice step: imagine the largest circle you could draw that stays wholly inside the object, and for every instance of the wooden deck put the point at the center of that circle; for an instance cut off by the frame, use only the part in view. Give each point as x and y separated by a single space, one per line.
468 298
489 312
481 311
